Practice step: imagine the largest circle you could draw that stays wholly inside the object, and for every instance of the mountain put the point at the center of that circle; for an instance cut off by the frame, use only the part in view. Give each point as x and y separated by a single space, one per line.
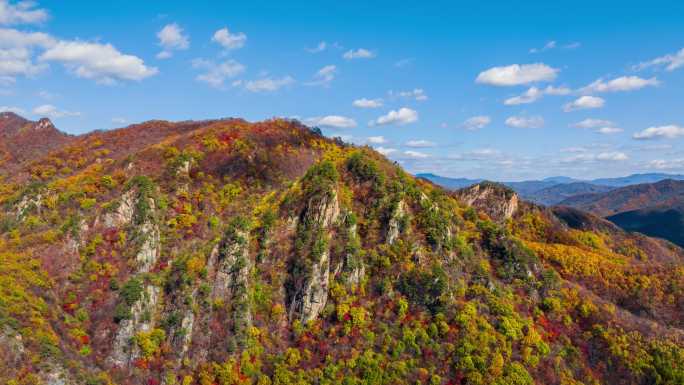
555 194
666 192
654 209
663 221
22 140
228 252
452 183
636 179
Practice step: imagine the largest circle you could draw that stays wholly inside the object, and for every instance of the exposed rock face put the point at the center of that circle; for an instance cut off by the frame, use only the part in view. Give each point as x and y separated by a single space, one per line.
123 214
393 226
233 266
142 320
142 311
498 201
319 216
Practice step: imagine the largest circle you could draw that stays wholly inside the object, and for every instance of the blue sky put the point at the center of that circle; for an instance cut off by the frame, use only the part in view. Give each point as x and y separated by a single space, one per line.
498 90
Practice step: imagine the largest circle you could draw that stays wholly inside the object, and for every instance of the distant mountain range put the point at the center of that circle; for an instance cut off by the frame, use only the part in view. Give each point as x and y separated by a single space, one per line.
554 190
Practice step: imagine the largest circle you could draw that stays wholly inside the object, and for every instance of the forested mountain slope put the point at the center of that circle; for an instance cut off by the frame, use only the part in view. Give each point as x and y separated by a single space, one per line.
227 252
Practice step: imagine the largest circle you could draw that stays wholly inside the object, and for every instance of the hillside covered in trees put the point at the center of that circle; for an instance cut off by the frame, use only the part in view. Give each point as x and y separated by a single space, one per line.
227 252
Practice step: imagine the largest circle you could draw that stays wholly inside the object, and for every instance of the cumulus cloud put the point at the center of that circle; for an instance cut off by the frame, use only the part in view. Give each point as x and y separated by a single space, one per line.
100 62
600 126
525 121
23 12
50 111
376 139
420 143
215 74
16 53
621 84
476 122
670 61
668 132
517 74
12 38
119 120
171 38
228 40
402 116
268 84
533 94
332 121
324 76
360 53
367 103
584 103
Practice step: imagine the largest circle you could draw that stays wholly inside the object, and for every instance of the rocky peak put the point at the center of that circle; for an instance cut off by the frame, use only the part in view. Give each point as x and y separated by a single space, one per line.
498 201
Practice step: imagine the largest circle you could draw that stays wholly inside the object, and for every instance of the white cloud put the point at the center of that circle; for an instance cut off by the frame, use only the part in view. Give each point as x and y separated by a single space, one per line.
18 61
385 151
100 62
320 47
119 120
517 74
417 94
229 40
609 130
476 122
416 154
332 121
621 84
16 110
402 116
360 53
50 111
549 45
376 139
670 61
478 155
420 143
584 103
367 103
324 76
533 94
22 12
16 53
217 73
668 132
600 126
611 156
593 123
13 38
171 38
662 164
525 121
268 84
